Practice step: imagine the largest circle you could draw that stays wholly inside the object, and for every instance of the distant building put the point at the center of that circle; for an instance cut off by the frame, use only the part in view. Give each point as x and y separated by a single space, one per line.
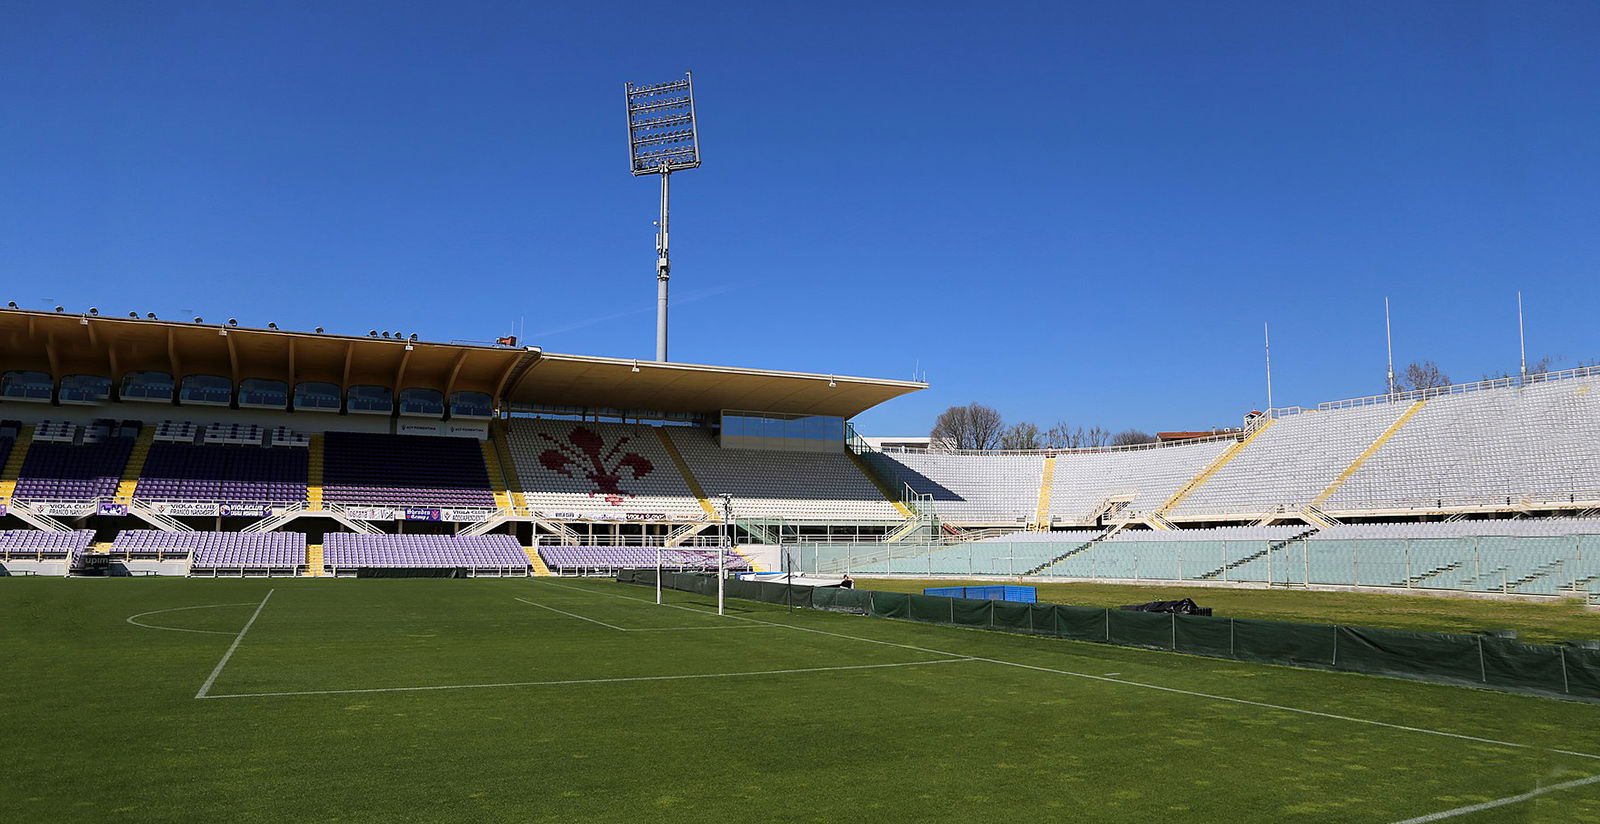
1164 437
907 443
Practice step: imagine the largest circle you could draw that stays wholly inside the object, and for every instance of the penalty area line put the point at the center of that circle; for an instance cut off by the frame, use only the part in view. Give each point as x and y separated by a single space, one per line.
573 681
206 687
1502 802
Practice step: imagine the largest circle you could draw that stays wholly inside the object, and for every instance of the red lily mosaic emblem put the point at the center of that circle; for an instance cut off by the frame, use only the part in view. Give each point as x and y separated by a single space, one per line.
585 452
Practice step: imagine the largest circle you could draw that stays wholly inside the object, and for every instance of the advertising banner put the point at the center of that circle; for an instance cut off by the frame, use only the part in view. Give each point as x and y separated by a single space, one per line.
244 511
191 509
370 513
115 510
464 516
413 513
60 508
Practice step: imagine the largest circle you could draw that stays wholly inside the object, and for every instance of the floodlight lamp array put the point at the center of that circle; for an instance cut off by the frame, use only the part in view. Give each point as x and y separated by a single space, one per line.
661 127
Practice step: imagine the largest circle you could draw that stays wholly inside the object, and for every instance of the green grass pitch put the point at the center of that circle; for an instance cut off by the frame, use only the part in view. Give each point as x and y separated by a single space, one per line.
535 700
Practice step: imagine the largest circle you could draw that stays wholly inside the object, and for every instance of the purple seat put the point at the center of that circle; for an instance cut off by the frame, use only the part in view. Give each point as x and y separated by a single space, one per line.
354 550
404 470
227 473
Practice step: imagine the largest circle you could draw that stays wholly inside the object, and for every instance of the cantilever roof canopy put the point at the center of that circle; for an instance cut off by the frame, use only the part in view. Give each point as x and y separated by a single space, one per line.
61 344
581 380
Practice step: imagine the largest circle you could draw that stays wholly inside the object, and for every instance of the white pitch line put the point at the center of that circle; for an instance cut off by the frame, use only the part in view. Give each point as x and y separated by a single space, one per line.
206 687
1501 802
625 680
687 629
572 615
180 609
1174 690
626 629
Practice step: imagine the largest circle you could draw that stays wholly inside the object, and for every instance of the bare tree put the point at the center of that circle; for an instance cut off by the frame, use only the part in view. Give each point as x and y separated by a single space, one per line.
1538 367
1064 436
973 426
1423 375
1131 437
1095 437
1021 436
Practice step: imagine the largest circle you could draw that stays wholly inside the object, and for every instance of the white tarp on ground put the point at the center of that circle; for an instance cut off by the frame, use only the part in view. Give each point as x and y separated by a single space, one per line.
797 579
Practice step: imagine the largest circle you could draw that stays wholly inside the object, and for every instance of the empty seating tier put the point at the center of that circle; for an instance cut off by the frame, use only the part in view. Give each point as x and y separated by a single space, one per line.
1001 489
1290 462
1129 481
54 471
1490 448
216 551
579 560
219 552
404 470
597 468
33 543
236 474
482 552
795 486
1013 554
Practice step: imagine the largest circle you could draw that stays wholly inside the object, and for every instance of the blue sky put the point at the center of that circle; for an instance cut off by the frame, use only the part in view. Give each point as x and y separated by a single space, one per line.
1079 212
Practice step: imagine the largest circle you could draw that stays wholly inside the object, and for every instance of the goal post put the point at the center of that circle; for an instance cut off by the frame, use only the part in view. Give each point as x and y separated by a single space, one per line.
722 575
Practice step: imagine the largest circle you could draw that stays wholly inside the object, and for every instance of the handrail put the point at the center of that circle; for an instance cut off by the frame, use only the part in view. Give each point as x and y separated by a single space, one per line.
1411 395
1084 450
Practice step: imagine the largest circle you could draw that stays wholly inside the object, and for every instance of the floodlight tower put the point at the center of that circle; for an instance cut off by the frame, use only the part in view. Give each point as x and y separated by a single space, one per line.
662 139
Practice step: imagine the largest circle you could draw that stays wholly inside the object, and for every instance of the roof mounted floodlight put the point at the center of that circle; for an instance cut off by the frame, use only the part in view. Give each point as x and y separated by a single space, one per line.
150 315
11 304
93 311
134 315
60 309
272 324
233 321
319 329
662 139
413 335
198 319
372 333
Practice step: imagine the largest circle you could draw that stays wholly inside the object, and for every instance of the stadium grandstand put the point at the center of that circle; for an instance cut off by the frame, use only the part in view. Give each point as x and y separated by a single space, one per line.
213 450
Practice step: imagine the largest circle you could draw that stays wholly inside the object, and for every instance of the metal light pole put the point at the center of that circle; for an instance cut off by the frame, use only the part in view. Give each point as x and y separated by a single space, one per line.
662 139
1388 341
1266 339
722 551
1522 341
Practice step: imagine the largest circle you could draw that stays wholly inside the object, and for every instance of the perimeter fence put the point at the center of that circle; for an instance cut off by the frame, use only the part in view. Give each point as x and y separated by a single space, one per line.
1486 661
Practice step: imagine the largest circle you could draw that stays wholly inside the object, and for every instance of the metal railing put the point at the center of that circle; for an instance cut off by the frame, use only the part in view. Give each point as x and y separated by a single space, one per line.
1412 395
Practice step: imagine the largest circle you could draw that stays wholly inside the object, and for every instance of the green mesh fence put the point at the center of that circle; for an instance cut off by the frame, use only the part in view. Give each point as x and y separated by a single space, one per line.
1473 660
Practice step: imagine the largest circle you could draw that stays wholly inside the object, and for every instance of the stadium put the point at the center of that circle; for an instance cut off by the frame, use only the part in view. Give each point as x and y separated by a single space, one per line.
253 572
253 472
